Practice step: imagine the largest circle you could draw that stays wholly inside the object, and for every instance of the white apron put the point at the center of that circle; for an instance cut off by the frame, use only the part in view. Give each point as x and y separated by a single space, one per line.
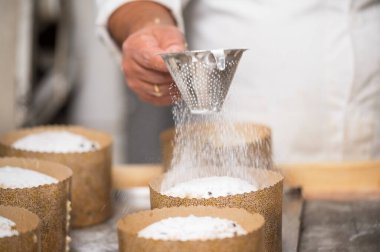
312 72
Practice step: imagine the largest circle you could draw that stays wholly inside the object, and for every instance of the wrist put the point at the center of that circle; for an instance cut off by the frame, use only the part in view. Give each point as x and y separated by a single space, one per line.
135 16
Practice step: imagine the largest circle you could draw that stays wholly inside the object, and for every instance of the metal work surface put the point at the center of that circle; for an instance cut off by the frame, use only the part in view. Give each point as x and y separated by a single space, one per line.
341 226
326 226
103 237
291 219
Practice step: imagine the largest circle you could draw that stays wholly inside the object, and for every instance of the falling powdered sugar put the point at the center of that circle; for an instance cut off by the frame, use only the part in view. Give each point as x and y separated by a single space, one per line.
15 177
56 141
212 145
192 228
210 187
7 227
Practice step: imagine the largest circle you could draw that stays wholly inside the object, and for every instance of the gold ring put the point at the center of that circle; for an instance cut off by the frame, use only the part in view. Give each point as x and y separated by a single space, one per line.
157 91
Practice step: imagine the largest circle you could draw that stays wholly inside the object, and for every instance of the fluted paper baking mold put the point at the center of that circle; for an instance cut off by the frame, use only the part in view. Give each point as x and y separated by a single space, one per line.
256 137
48 202
266 201
130 225
28 228
91 183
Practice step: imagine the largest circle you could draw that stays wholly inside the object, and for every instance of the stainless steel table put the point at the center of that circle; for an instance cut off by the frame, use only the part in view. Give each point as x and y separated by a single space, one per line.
312 225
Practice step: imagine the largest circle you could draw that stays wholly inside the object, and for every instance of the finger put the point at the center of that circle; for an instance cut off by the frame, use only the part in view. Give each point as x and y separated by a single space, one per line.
156 59
158 101
164 100
150 59
149 47
133 68
155 89
149 88
173 41
144 50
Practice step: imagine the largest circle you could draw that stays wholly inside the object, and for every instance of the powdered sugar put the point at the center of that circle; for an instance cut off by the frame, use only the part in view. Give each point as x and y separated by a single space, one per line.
209 187
15 177
214 145
7 227
192 228
55 141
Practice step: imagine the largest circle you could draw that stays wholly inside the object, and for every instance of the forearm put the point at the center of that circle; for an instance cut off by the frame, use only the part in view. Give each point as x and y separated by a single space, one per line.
136 15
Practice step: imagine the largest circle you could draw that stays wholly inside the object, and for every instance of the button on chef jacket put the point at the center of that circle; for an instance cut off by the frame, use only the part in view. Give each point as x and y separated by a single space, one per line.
312 71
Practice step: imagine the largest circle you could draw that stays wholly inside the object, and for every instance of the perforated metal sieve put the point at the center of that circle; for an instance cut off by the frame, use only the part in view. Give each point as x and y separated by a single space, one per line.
203 77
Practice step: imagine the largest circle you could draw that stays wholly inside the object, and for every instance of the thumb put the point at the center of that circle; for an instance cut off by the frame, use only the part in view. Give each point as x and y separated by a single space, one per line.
175 48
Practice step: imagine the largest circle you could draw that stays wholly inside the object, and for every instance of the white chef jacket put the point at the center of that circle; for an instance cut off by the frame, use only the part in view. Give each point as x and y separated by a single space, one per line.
312 72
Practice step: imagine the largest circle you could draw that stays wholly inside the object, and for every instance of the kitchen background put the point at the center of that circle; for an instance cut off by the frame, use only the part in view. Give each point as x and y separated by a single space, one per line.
54 69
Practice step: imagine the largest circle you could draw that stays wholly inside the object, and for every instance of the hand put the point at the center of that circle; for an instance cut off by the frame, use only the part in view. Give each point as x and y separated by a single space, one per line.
143 67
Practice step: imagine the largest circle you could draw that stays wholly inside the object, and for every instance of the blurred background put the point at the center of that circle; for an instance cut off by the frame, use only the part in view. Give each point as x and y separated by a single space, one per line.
55 70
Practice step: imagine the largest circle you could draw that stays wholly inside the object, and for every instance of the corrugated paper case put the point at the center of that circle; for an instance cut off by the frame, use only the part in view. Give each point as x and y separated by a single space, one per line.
256 137
130 225
28 228
49 202
266 201
91 183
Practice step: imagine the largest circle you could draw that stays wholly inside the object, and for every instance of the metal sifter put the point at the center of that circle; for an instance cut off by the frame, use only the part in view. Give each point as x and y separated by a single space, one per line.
203 77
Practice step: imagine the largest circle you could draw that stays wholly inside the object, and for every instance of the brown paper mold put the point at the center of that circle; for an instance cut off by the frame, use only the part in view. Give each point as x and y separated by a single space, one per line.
266 201
256 137
28 228
91 183
49 202
129 226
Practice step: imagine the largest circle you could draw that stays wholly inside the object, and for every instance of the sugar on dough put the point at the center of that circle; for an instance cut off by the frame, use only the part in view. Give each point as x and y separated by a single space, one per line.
192 228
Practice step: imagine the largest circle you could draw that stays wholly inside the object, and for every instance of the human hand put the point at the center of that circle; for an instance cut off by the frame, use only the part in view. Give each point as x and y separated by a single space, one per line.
143 67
